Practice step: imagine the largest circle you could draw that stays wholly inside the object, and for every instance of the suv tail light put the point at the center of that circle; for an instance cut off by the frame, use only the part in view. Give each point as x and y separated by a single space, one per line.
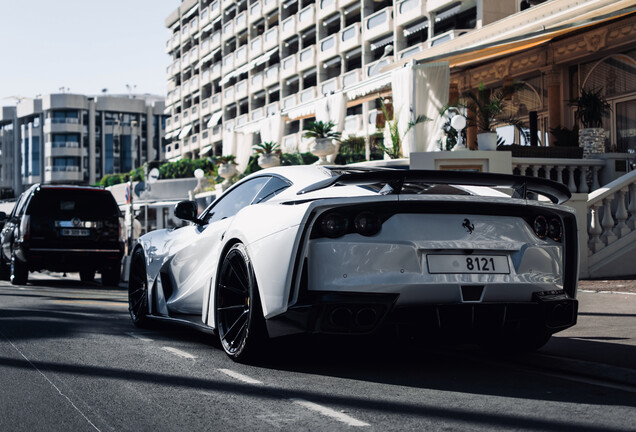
25 228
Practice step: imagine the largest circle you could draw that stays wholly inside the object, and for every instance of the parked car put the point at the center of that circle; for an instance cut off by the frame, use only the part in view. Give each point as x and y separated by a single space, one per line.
341 250
63 229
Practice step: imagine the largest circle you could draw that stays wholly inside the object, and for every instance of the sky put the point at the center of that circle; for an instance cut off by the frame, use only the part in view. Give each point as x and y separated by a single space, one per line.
83 46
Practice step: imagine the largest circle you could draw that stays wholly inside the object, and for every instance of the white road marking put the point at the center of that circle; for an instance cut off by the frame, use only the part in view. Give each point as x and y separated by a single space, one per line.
180 353
336 415
137 336
50 382
240 377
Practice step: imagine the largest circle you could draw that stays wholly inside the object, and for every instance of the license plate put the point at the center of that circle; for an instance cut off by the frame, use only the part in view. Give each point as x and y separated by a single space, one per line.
76 232
490 264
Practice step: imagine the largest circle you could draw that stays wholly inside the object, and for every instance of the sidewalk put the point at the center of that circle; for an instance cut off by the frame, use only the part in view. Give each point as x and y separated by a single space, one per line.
602 285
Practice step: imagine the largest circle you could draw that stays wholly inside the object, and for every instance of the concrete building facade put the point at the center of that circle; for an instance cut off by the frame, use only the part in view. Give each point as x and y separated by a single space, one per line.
77 139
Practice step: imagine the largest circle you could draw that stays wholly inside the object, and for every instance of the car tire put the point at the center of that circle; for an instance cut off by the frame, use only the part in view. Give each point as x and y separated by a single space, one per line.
239 314
138 290
110 276
87 275
19 274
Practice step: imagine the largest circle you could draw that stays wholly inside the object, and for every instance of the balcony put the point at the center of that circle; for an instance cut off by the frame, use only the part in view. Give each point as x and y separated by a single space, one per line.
378 24
328 47
288 66
353 125
228 31
326 7
240 89
448 36
67 148
228 96
288 27
215 71
272 76
434 5
373 69
256 47
291 142
351 37
256 82
290 101
306 18
215 9
257 114
228 62
329 86
240 56
270 39
351 78
256 12
272 108
307 58
205 138
67 173
240 22
205 107
269 6
216 134
410 10
308 95
242 119
215 40
411 51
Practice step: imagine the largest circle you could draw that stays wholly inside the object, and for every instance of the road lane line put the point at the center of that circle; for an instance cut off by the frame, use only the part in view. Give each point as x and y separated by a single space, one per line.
180 353
137 336
328 412
240 377
51 383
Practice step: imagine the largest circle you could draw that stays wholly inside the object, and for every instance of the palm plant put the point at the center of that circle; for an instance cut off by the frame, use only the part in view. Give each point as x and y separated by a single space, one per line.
591 107
266 147
320 129
226 159
394 151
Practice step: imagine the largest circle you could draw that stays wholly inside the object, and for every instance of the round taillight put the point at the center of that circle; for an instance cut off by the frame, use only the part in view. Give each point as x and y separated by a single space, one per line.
367 223
334 225
555 231
540 226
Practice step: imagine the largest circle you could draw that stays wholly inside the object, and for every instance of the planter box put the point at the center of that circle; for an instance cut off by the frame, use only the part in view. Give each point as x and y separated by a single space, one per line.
543 152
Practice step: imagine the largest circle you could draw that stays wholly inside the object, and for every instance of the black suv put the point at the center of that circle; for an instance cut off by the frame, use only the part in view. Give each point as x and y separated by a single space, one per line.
63 229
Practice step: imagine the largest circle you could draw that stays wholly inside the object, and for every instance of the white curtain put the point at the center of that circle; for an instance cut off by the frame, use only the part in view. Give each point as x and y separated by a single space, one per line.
229 142
420 90
244 142
271 129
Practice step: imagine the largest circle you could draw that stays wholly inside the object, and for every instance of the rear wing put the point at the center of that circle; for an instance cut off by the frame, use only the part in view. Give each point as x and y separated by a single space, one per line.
521 185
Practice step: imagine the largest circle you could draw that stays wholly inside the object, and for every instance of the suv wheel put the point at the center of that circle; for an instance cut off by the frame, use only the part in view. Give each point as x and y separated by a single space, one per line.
19 273
87 275
110 276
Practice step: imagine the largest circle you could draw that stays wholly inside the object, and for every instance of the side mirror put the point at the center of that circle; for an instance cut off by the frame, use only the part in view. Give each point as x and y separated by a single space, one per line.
187 210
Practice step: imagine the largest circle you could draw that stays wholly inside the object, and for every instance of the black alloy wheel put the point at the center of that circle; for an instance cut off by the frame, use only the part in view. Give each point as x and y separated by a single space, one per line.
239 317
19 274
138 290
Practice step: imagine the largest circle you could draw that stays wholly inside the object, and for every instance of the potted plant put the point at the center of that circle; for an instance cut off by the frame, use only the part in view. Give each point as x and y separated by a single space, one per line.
392 132
591 107
324 138
488 108
227 169
269 154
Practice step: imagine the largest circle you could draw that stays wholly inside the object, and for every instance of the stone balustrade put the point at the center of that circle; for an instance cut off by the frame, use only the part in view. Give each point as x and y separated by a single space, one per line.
580 175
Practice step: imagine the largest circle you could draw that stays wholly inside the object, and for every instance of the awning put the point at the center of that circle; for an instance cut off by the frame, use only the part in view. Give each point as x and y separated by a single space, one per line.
190 12
207 28
289 3
185 131
167 110
309 73
380 43
332 62
291 40
471 48
414 28
371 85
214 120
303 110
273 89
332 19
292 79
205 150
259 94
205 59
449 12
352 8
169 135
263 58
354 53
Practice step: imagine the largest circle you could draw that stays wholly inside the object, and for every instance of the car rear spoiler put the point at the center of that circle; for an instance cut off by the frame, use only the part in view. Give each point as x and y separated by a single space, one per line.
522 185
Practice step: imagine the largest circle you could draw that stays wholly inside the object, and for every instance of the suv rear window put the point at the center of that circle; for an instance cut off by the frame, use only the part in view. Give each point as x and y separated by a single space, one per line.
73 203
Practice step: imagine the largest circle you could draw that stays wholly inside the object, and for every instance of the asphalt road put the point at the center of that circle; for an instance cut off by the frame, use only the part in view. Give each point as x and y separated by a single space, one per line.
70 360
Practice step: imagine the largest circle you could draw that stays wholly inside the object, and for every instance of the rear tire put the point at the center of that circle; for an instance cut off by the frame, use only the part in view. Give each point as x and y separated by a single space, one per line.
138 290
239 314
110 276
87 275
19 274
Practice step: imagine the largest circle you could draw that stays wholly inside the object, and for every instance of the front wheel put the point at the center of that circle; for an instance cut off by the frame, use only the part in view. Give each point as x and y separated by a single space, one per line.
19 274
239 316
138 290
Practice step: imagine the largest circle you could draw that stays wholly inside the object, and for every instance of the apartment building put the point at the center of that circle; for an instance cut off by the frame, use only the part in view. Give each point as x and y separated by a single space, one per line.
77 139
236 62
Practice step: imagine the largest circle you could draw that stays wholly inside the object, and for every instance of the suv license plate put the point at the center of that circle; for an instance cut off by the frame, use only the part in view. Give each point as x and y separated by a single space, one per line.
76 232
492 264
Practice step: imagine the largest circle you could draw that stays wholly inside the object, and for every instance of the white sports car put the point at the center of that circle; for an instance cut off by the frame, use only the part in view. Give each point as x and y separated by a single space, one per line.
344 250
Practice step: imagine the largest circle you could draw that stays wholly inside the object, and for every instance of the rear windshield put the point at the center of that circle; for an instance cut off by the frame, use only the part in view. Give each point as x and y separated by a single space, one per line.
68 203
